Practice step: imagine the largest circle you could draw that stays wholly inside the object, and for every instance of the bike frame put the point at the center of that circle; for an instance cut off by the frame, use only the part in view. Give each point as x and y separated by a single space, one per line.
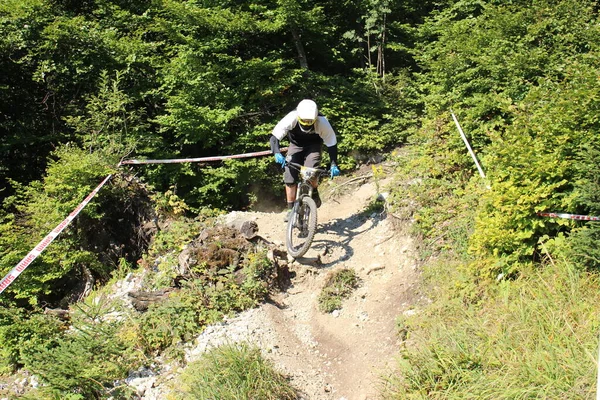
307 176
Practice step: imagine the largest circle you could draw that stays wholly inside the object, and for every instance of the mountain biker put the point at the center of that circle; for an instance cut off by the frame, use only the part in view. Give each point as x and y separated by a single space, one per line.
307 130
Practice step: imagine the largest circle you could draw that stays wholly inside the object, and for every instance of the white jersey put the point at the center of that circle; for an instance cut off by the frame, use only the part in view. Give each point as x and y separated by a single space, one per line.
289 126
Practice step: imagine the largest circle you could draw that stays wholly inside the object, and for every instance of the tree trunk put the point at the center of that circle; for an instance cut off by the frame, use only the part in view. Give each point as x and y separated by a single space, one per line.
369 50
299 48
383 49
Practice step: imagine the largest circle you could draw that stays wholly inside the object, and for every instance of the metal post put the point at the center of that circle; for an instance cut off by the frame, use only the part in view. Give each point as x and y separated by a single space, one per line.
464 138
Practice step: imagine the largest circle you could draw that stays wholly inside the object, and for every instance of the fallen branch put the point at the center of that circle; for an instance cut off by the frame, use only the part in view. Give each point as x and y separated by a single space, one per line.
363 177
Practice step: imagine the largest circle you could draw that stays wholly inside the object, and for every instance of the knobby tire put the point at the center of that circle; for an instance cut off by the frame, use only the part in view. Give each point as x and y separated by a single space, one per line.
299 249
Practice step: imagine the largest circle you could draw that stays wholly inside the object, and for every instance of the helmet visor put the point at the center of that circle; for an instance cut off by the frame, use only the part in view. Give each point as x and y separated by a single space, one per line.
306 122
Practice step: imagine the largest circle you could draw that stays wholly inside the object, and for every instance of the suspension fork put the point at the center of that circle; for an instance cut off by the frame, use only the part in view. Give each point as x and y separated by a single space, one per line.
300 188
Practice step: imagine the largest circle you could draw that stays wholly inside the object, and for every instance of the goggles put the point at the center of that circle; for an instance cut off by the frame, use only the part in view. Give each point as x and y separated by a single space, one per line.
306 122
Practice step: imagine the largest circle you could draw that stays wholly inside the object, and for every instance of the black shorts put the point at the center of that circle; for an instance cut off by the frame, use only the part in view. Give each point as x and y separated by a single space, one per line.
309 156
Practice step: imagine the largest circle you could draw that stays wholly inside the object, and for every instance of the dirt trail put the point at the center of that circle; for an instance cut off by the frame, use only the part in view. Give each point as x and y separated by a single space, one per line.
344 354
340 355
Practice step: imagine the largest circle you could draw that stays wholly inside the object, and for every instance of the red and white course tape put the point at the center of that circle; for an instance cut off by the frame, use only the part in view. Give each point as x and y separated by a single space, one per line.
570 216
33 254
201 159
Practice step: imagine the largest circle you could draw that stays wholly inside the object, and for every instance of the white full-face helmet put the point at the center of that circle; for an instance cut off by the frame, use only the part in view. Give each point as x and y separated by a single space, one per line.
307 114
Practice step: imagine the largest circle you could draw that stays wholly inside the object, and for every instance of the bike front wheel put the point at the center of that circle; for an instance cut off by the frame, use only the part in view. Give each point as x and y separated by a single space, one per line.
301 228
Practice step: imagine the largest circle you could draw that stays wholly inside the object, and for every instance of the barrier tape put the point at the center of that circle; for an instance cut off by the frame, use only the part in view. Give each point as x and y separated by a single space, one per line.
201 159
33 254
570 216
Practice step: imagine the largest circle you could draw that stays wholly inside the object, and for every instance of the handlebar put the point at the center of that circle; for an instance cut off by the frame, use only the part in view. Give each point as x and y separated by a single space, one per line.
297 166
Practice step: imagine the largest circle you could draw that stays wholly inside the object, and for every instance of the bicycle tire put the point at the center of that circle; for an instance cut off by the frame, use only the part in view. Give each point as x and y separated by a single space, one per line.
308 227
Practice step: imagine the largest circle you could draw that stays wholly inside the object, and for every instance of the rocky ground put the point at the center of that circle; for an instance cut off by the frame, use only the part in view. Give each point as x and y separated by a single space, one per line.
341 355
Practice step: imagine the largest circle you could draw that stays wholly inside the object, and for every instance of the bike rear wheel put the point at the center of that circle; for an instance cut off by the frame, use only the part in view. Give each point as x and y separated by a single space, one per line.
301 228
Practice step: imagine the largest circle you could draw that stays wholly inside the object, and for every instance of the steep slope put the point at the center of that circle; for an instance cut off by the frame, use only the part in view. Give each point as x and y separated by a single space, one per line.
341 355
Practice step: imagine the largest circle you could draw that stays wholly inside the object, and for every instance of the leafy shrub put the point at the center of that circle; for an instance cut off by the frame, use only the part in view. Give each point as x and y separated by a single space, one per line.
107 229
582 244
85 361
526 98
170 322
233 372
39 208
23 333
538 166
202 300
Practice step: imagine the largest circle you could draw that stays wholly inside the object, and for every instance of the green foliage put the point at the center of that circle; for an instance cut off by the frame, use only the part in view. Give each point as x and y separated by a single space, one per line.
542 175
186 79
227 187
79 363
231 372
110 125
39 208
442 212
205 299
534 337
338 286
521 78
170 322
258 273
24 334
168 204
227 290
581 245
516 85
86 362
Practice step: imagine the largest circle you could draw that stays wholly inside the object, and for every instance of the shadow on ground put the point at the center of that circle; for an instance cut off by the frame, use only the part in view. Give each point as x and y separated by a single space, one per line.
339 249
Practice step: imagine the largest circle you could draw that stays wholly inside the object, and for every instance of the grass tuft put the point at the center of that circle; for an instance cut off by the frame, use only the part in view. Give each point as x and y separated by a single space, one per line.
338 286
233 372
534 337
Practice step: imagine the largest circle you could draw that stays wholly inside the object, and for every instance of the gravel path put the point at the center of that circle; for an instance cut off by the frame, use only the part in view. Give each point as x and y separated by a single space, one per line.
344 354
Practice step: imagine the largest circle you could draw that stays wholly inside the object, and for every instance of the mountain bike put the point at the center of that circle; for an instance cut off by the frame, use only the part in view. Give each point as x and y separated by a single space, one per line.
302 222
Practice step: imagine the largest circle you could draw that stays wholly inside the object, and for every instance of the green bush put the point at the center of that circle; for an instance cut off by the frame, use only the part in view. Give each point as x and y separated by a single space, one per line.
170 322
88 359
85 363
202 300
526 98
233 372
538 166
23 333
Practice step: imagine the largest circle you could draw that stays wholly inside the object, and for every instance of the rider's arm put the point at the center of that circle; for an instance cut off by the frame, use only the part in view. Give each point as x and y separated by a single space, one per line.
333 153
286 124
324 129
274 145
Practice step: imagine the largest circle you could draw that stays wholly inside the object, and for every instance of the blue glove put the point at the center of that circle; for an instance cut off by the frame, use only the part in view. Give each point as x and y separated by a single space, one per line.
280 159
335 171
